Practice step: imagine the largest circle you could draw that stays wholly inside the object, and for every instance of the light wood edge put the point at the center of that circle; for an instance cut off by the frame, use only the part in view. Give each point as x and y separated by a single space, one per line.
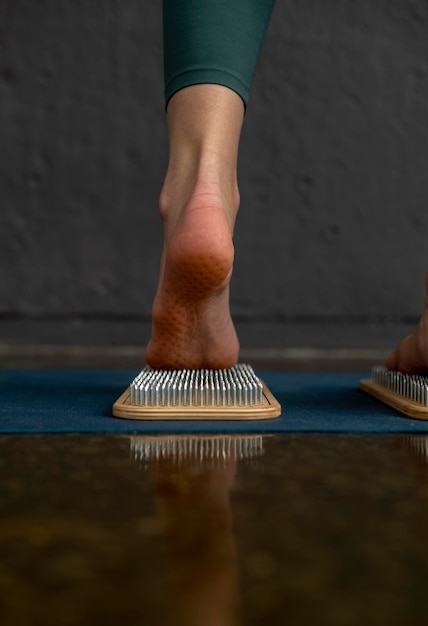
394 400
268 410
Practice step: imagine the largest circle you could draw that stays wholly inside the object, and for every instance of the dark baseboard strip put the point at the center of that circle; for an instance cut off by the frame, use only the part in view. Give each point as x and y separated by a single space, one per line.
132 357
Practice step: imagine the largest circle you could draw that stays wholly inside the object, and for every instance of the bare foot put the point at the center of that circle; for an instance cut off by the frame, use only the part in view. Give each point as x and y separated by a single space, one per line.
191 323
411 354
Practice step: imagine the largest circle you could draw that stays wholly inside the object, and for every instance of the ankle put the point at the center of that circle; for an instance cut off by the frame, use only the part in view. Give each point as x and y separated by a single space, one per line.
196 186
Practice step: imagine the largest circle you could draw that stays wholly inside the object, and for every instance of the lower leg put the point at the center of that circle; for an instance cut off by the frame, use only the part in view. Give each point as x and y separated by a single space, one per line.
411 354
191 323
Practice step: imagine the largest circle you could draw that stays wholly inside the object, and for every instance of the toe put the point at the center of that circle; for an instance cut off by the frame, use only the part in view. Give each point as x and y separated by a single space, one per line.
405 357
391 361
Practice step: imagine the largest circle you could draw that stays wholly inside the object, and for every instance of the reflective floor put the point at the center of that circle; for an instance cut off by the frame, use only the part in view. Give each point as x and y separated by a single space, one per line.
291 529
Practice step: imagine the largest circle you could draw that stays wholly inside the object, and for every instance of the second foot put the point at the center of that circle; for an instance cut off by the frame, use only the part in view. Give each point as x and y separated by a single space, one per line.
411 354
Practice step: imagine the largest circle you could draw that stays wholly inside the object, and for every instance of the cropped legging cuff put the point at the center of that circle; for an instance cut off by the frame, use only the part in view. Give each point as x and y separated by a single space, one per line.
213 41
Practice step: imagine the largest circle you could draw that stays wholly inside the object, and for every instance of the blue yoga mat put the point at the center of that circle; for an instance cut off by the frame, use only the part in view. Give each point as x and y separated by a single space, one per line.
80 401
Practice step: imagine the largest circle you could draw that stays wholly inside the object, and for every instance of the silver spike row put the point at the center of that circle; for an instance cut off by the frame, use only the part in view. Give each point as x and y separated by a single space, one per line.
237 386
200 448
410 386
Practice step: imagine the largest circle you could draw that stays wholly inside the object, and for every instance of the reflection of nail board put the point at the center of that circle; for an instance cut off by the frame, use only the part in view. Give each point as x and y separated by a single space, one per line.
418 444
183 448
235 393
407 393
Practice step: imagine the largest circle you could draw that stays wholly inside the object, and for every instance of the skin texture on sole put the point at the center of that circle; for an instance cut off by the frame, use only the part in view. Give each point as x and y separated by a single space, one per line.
191 323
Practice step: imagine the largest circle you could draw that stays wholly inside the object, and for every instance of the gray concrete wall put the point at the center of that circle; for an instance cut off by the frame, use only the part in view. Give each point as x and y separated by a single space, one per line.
332 232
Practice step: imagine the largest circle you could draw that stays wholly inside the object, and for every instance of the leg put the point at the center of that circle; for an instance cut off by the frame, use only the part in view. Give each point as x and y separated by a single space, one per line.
191 323
211 49
411 354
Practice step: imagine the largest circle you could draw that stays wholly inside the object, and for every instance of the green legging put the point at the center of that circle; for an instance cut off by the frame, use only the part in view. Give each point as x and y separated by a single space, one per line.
213 41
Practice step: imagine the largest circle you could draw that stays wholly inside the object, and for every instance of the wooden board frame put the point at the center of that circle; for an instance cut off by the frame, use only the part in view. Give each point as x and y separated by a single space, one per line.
409 408
268 409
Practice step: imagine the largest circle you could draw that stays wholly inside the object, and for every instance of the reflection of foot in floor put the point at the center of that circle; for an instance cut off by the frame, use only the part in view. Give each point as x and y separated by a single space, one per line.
193 499
411 354
191 323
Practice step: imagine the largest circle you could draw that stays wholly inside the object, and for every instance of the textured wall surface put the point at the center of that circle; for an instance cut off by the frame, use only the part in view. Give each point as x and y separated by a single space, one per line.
333 168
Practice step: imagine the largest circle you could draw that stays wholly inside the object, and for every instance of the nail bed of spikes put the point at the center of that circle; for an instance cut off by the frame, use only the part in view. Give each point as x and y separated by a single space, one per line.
237 386
411 386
